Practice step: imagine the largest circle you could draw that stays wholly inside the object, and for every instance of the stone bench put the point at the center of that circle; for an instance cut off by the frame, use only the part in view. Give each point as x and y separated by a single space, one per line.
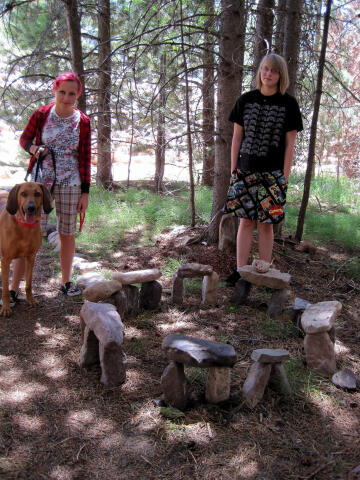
267 369
102 333
193 270
195 352
274 279
318 323
121 293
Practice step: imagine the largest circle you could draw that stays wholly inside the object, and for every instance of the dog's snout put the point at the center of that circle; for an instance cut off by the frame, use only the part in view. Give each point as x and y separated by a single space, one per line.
30 207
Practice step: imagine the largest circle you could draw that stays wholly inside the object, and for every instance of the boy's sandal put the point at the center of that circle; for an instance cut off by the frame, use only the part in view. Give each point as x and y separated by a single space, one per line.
261 266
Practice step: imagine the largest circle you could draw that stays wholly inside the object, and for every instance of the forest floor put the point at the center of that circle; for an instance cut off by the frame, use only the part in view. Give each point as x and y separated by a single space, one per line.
58 422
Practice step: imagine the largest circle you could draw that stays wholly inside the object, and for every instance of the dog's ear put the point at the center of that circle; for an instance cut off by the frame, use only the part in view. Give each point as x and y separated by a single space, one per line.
47 199
12 201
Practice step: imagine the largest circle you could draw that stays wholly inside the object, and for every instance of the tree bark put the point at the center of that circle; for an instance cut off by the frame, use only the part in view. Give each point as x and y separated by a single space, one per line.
208 91
160 137
231 58
292 32
104 176
77 62
264 30
279 29
188 124
313 129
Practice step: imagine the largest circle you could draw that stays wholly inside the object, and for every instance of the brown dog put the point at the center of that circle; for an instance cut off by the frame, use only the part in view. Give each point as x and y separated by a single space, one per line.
20 234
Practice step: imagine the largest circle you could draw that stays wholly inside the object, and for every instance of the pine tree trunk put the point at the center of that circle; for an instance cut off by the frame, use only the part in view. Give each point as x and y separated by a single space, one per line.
104 176
160 137
231 57
279 29
292 31
208 100
264 30
77 61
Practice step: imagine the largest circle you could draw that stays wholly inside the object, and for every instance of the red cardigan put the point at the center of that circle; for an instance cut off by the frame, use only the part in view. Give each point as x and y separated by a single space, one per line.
34 128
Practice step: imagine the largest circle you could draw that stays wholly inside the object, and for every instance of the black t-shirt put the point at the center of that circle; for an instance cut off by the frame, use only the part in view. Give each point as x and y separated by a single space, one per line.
265 120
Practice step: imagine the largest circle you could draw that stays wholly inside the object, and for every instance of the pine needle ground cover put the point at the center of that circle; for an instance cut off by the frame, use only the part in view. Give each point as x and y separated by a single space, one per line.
59 422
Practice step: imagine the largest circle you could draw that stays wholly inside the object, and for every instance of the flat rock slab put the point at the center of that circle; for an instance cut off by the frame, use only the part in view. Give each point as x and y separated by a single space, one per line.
89 278
138 276
344 379
100 291
270 355
192 270
272 279
320 317
196 352
104 321
300 304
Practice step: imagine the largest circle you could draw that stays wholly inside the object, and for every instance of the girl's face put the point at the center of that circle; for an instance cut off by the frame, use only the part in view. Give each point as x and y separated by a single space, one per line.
66 95
269 77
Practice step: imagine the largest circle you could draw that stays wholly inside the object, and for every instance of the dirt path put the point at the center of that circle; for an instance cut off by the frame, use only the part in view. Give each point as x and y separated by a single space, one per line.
59 422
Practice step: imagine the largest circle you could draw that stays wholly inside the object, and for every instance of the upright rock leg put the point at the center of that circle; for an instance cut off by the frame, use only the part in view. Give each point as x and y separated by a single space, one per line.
174 385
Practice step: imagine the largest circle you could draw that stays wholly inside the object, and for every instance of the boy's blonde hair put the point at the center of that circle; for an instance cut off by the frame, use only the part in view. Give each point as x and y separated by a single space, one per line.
277 63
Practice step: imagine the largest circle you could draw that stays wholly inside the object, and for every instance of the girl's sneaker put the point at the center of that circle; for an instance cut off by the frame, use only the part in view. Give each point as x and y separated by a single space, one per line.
70 289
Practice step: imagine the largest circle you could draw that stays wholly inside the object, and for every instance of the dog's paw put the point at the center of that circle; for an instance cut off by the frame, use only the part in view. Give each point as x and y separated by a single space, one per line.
32 302
5 311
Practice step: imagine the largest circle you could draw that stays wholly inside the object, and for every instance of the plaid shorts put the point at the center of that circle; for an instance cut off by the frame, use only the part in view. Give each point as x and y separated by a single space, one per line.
257 196
66 202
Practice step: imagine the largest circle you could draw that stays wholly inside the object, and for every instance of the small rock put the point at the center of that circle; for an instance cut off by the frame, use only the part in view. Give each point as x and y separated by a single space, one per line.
240 293
210 288
344 379
320 354
177 289
150 295
174 386
217 385
269 355
227 233
300 304
255 383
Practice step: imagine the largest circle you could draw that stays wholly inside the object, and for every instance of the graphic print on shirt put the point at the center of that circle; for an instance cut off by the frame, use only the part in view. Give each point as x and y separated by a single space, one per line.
263 125
62 135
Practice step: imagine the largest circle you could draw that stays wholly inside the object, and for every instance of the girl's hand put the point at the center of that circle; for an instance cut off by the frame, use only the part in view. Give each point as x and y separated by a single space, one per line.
83 203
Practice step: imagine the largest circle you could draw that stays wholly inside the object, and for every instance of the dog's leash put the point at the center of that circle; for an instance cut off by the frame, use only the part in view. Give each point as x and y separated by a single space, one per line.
39 162
82 220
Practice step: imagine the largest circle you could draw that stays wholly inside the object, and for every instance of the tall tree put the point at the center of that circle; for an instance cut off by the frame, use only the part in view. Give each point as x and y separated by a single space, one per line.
279 29
313 129
104 175
160 136
77 63
208 90
292 33
264 30
230 71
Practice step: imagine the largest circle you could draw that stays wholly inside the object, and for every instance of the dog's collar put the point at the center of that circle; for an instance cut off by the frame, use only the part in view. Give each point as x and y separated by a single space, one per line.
25 224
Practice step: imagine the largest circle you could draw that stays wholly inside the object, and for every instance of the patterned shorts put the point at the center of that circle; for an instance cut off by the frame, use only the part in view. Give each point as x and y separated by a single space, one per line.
257 196
66 202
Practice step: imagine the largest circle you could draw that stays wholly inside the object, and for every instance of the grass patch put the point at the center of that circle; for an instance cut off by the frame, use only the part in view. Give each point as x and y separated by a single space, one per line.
196 375
137 345
303 380
192 285
275 329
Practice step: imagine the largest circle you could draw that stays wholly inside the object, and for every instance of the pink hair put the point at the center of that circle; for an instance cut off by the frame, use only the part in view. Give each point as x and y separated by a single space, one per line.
68 77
